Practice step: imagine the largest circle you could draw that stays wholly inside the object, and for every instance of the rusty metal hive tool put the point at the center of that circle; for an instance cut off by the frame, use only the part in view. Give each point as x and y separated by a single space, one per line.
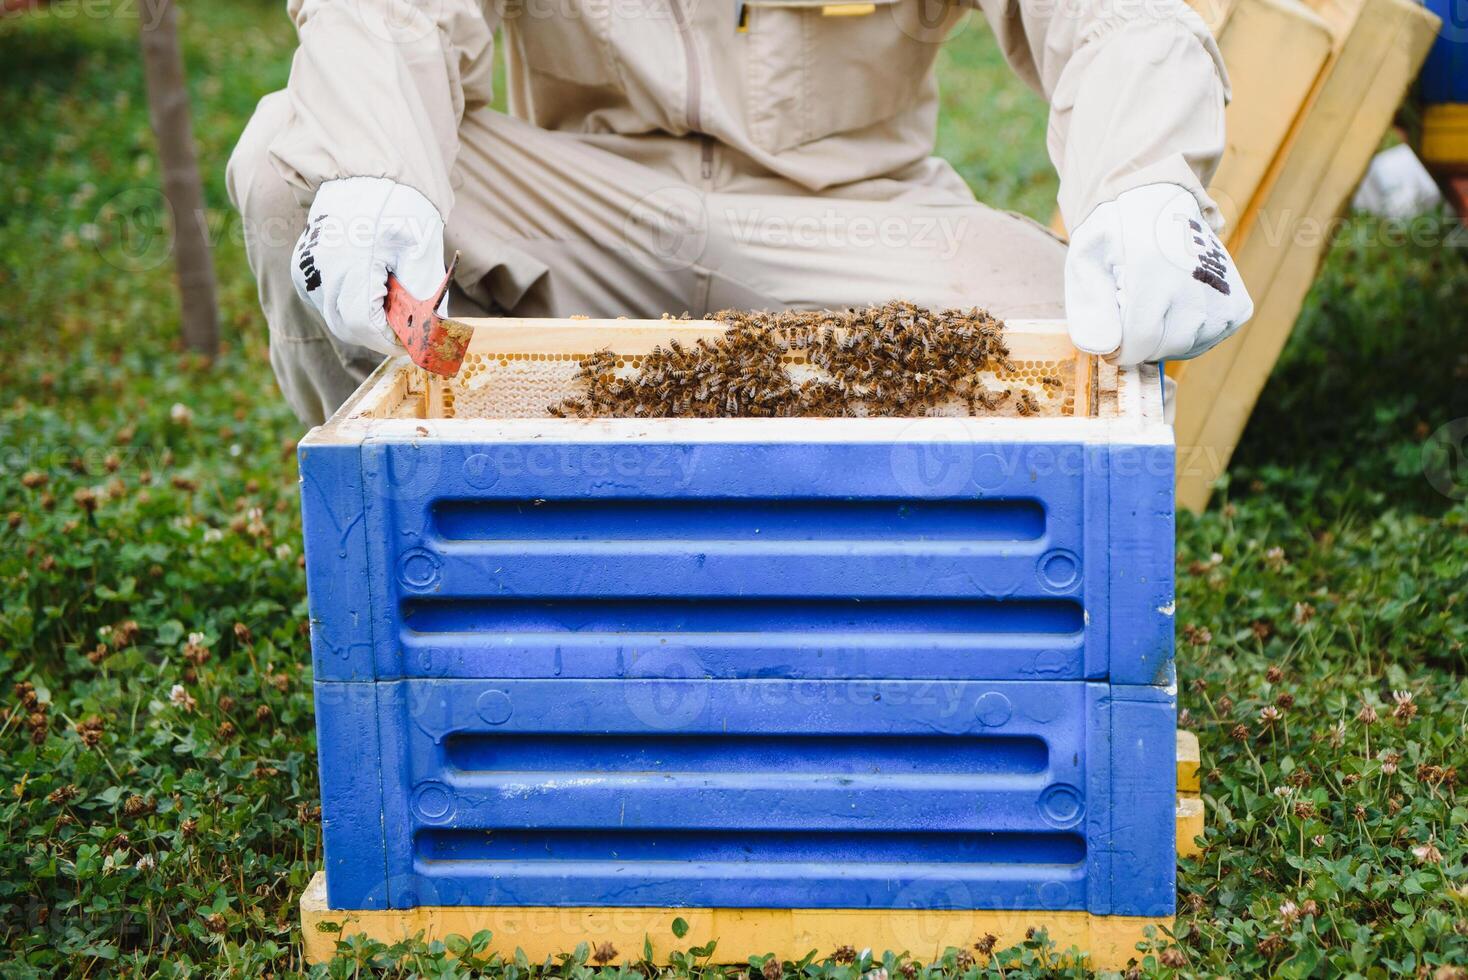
434 343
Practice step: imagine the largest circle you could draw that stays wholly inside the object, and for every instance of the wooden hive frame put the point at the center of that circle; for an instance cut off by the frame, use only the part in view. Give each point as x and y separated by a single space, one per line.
402 400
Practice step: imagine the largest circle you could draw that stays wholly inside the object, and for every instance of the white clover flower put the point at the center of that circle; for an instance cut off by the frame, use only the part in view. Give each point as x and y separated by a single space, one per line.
1428 853
182 698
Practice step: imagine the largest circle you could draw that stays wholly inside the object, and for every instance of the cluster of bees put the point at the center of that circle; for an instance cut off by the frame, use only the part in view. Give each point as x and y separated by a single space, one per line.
892 360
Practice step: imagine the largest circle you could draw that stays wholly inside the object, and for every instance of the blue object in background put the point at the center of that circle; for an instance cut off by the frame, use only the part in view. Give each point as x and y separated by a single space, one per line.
867 674
1444 77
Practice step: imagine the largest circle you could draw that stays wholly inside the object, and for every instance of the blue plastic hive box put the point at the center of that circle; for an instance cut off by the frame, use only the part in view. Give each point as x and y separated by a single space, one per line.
854 663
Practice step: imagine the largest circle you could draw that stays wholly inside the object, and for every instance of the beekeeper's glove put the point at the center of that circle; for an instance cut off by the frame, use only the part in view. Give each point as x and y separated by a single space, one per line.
360 229
1146 279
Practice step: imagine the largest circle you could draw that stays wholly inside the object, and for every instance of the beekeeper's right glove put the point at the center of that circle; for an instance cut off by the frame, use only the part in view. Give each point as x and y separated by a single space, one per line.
359 229
1146 279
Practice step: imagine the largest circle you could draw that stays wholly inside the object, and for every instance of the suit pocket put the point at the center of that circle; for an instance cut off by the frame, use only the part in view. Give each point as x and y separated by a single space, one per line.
817 69
565 39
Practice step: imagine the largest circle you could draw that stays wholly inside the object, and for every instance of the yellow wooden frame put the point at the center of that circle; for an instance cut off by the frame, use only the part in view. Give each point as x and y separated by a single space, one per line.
1315 86
1282 236
1189 799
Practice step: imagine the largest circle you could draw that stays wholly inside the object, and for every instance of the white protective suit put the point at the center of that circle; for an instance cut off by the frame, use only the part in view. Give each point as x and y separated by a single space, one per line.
694 155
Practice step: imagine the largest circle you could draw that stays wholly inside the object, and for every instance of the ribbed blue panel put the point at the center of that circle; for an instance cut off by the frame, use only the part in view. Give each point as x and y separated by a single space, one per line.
757 793
743 560
824 794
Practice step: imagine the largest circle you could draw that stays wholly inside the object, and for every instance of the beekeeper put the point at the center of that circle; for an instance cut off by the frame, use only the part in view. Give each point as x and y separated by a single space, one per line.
696 155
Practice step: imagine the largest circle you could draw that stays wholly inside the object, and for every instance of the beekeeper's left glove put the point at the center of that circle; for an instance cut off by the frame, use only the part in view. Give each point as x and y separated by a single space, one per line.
359 229
1146 279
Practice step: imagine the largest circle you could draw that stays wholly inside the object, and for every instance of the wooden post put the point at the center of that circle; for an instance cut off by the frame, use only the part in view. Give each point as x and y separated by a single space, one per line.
168 107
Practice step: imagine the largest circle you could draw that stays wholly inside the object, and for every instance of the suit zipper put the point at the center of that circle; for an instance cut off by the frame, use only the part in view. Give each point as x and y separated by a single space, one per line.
690 62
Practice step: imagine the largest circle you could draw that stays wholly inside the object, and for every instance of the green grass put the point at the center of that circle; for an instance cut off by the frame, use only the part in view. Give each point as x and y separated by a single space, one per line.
153 832
992 127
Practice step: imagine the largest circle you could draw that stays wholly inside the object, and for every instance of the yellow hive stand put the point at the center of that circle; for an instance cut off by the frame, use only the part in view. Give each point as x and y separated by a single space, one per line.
1108 941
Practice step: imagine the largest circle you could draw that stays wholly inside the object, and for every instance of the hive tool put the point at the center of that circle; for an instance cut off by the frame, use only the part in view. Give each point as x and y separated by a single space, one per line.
435 343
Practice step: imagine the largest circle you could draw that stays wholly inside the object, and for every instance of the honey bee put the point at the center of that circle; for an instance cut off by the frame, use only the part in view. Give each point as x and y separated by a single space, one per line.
897 359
